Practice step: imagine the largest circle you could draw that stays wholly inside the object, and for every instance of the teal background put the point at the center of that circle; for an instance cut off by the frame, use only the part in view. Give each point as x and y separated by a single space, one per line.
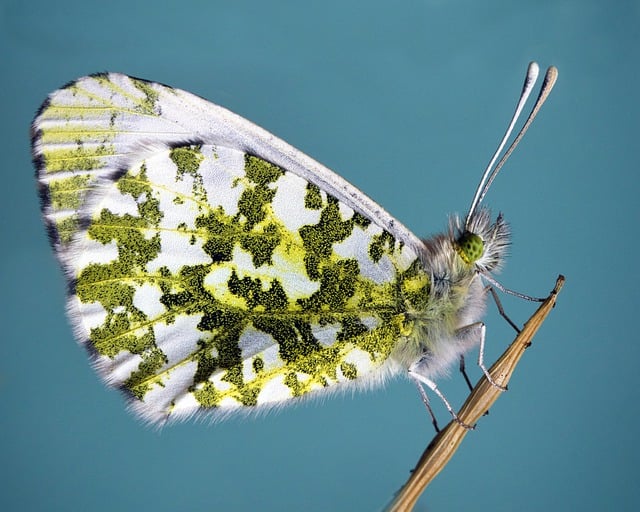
406 100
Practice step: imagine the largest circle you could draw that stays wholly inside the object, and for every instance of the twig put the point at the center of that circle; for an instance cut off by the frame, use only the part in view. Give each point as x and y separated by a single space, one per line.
446 442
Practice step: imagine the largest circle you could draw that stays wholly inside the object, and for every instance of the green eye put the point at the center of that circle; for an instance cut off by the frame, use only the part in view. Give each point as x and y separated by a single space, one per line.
470 247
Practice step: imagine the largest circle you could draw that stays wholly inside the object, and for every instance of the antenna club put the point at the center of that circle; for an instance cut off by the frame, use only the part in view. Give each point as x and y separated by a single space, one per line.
491 172
550 78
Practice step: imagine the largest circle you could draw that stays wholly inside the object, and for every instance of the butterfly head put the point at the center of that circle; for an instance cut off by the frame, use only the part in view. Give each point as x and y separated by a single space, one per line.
479 241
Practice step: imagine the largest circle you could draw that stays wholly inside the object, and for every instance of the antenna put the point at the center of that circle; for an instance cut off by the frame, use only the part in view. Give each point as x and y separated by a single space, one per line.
490 172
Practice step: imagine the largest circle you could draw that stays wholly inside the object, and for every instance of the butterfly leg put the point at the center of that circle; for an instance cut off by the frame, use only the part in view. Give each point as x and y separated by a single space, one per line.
501 310
487 277
463 371
420 379
483 330
425 401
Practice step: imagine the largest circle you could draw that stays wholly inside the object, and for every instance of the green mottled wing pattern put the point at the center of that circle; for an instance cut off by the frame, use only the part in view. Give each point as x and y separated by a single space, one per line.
205 277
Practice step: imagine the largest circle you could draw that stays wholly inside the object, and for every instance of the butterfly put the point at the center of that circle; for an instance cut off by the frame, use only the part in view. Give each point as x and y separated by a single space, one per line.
214 269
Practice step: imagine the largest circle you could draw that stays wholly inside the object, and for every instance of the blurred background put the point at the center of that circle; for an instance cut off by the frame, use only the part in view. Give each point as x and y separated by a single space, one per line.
407 101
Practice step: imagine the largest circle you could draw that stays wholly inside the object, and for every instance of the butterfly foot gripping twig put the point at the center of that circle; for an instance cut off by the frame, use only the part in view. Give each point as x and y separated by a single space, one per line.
419 379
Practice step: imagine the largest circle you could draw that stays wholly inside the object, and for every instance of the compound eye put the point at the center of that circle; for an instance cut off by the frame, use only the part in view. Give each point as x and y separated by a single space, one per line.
470 247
